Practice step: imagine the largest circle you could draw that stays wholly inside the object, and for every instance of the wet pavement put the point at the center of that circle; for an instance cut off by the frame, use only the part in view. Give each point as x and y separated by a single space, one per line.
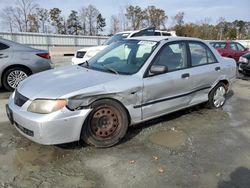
196 147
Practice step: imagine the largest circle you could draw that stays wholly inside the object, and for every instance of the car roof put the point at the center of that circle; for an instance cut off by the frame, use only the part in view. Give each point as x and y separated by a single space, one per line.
160 38
135 31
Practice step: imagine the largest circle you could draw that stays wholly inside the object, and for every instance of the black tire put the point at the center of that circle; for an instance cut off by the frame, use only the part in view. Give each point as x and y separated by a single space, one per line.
106 124
6 74
211 96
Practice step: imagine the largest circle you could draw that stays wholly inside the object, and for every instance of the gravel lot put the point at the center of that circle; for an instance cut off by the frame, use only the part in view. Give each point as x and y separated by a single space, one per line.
195 147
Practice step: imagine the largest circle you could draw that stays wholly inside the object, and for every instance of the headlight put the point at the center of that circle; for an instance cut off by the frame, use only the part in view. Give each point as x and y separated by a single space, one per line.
243 60
46 106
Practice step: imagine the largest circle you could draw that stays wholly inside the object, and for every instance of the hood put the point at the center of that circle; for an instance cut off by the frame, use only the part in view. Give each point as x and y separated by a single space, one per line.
60 82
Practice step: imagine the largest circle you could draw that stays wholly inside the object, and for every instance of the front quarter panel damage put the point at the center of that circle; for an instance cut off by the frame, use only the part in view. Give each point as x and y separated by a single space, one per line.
127 97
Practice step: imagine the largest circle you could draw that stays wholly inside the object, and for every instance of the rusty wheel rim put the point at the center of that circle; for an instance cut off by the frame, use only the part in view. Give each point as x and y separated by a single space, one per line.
105 122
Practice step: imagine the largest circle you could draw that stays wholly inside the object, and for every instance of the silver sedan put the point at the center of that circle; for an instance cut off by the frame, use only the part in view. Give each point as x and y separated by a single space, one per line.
127 83
18 61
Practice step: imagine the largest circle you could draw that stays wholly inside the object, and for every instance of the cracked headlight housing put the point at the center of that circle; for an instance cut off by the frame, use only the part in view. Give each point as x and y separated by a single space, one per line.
46 106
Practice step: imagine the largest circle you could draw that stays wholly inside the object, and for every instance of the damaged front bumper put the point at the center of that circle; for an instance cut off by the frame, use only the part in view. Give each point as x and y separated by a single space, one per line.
59 127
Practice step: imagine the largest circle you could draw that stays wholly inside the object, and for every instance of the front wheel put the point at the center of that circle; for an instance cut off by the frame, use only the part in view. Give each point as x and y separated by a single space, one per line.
106 125
217 97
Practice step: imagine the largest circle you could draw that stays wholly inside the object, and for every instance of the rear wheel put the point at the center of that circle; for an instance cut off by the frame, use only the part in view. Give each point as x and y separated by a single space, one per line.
13 76
106 125
217 97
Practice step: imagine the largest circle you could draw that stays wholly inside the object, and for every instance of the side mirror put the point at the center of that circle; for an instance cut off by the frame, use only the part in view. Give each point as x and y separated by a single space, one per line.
246 49
158 69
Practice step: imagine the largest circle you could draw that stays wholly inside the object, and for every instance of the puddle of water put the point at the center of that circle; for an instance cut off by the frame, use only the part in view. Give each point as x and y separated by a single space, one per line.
169 138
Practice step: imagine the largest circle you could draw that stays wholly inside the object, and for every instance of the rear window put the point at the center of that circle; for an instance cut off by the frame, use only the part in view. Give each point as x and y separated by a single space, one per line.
3 46
145 32
166 34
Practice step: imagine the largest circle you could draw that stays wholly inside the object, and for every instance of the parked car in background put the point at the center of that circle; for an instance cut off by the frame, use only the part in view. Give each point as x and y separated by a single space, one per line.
18 61
244 64
230 49
86 53
128 82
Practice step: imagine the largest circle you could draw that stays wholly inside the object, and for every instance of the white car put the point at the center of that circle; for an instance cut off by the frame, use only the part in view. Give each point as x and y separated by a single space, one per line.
85 54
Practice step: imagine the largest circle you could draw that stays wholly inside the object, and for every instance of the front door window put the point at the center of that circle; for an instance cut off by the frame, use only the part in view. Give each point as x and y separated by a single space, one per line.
174 56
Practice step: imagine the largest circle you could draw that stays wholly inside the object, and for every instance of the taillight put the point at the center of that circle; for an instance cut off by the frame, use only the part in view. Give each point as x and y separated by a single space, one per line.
44 55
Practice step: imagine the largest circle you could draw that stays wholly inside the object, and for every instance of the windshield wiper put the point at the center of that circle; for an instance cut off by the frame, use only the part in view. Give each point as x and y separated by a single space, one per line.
87 63
109 68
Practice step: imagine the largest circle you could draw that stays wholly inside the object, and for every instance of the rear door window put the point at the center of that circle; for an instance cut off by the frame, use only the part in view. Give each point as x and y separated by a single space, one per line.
233 46
200 54
166 34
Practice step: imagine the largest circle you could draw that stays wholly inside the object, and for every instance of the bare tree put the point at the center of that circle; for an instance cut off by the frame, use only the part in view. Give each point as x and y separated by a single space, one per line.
83 19
42 15
7 17
89 19
24 9
18 16
179 18
12 17
115 24
122 19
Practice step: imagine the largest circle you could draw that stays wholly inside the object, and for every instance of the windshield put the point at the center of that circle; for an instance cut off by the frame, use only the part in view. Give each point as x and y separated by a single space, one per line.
124 57
116 37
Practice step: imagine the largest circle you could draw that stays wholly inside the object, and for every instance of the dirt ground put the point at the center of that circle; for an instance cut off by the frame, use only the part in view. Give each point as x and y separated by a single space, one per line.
195 147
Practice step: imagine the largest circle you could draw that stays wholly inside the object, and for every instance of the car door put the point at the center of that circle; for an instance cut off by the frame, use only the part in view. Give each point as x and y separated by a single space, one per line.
233 50
204 71
4 53
166 92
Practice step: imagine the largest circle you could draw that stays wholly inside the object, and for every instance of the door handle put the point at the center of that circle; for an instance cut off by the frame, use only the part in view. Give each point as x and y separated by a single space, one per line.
186 75
217 68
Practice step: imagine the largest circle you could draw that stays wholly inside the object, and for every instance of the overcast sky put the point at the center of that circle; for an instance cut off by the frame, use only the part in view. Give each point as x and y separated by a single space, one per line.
195 10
